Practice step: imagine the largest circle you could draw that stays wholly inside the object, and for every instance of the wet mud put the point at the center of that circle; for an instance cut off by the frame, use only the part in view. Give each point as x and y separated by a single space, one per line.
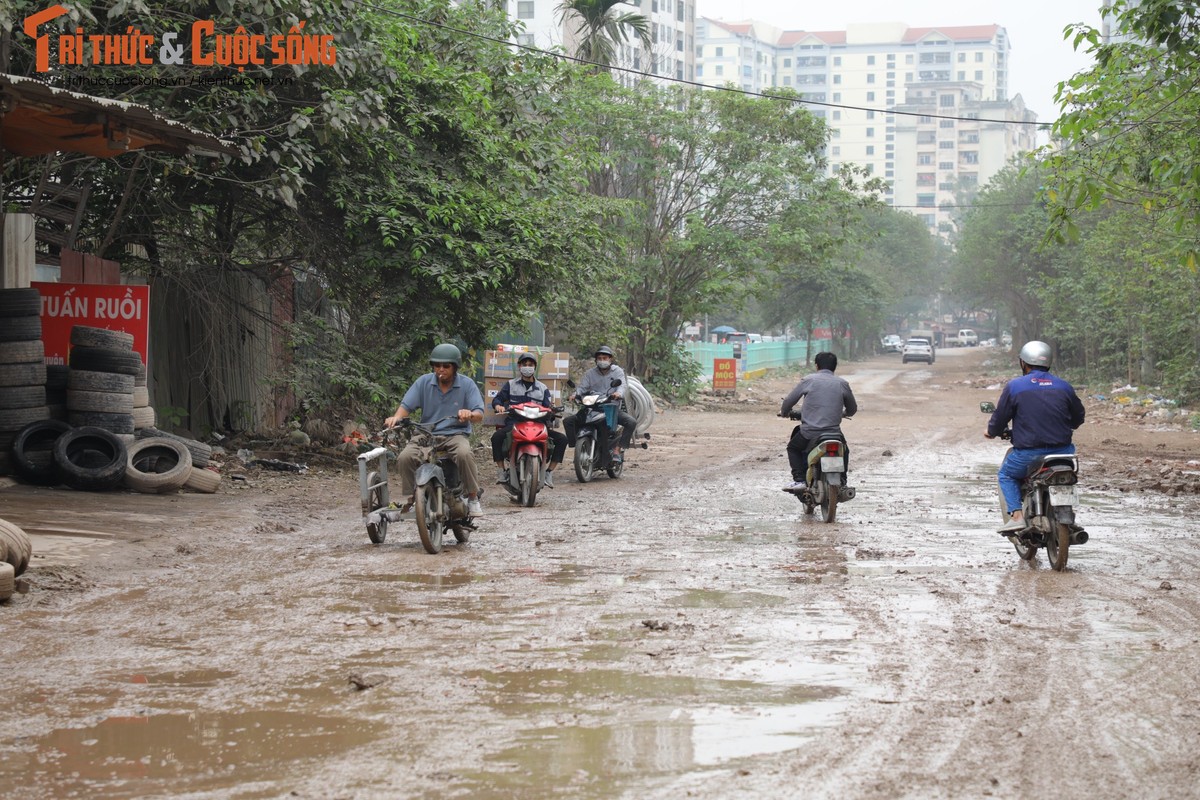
684 631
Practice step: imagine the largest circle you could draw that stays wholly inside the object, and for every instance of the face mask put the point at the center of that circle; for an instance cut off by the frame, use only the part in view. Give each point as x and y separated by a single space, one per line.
527 372
603 363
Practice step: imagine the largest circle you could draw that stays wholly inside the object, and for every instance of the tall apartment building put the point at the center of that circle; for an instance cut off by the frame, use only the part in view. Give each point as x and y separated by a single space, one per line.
672 28
859 78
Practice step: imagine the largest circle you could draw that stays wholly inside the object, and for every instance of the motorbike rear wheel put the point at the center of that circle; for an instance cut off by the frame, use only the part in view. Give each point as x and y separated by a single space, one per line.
429 527
376 532
1058 541
531 476
585 458
1024 549
829 504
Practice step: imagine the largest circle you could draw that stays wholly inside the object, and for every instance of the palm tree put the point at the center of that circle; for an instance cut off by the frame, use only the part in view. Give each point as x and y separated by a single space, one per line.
601 29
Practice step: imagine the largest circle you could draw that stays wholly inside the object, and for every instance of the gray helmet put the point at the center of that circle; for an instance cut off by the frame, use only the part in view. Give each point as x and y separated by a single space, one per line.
603 350
446 353
1036 354
525 357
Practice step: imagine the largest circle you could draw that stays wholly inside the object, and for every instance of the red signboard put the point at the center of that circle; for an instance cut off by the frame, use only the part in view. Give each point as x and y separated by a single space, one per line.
724 374
115 307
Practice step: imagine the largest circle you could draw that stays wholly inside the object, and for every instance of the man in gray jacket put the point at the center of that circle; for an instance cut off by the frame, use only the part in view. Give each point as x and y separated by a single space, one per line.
827 398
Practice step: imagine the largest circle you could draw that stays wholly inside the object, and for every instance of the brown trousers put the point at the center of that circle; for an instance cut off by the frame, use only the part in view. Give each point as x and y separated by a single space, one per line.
413 455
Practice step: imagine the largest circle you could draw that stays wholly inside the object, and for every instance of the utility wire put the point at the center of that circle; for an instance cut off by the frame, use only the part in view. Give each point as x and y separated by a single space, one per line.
684 81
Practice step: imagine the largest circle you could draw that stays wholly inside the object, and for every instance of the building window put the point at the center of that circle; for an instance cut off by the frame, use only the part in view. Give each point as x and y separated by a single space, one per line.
962 75
837 97
946 165
870 77
720 51
720 70
946 101
787 80
787 62
747 71
908 58
870 97
837 61
925 201
870 61
870 169
925 179
525 9
962 57
970 157
979 58
945 123
837 78
924 158
526 39
870 132
837 150
870 115
837 115
978 74
699 70
946 145
870 149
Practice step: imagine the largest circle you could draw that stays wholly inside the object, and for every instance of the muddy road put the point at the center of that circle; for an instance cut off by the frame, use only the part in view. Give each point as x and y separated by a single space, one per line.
682 632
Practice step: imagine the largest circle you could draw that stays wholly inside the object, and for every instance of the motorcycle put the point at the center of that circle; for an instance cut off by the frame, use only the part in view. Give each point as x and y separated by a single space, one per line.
826 477
596 410
1048 500
529 452
439 501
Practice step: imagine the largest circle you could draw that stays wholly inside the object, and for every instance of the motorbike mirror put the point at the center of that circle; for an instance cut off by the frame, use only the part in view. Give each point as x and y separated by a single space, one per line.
987 406
615 382
570 383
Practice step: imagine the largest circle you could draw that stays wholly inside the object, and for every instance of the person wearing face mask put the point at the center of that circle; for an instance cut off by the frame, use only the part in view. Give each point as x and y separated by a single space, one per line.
524 388
598 380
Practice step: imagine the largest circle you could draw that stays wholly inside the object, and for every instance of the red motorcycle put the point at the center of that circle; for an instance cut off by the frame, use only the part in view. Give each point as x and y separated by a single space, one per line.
529 452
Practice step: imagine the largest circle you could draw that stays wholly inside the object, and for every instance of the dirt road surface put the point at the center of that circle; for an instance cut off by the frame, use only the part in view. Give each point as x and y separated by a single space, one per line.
683 632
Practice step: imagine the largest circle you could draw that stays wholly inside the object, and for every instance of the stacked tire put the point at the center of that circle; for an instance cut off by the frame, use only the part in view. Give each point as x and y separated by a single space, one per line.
101 381
199 478
143 412
22 367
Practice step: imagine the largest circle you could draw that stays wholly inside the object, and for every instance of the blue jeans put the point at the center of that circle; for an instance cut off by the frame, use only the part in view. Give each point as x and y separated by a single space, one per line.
1014 468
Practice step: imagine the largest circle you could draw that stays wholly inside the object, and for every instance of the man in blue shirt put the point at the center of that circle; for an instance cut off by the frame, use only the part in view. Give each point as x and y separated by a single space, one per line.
449 402
1044 411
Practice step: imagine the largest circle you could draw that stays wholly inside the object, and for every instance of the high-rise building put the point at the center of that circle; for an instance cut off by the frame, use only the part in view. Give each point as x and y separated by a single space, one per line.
952 80
672 29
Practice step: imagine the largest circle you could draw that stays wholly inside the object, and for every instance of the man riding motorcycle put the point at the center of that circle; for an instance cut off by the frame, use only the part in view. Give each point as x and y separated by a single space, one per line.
827 398
449 402
522 389
598 380
1044 412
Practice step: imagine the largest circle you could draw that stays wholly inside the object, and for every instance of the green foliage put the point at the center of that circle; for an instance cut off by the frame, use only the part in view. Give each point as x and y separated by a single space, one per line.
676 374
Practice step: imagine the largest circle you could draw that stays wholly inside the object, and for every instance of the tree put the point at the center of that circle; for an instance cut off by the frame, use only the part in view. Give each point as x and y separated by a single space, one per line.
1129 129
601 27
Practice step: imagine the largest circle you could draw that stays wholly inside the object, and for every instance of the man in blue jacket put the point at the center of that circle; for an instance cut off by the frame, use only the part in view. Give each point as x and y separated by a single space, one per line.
1044 411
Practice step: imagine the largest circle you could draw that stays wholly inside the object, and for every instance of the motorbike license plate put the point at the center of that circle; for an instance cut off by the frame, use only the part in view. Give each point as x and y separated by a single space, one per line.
832 464
1063 496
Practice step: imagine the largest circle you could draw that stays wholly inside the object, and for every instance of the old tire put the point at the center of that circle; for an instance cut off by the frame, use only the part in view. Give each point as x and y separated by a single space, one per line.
85 380
201 452
15 547
14 419
157 465
22 352
33 451
91 459
103 402
117 423
23 374
84 336
20 329
7 580
106 359
20 302
22 396
144 417
204 481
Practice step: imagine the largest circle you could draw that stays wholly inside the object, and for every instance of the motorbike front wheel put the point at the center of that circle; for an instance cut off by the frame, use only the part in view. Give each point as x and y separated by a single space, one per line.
1058 541
615 468
531 477
429 527
377 532
829 504
585 458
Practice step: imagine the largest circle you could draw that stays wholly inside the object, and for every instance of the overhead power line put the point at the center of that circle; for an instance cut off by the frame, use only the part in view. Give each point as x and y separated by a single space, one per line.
684 81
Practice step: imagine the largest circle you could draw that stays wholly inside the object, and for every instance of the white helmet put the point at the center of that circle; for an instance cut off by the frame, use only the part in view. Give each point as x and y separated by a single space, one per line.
1036 354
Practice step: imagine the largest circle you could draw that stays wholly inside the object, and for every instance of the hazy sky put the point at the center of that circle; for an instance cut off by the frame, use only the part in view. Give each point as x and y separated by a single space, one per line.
1040 58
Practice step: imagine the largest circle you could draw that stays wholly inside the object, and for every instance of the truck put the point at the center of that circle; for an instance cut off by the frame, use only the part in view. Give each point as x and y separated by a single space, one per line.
966 338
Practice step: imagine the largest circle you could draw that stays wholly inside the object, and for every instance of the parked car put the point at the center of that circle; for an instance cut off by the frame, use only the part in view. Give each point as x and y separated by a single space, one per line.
892 343
917 350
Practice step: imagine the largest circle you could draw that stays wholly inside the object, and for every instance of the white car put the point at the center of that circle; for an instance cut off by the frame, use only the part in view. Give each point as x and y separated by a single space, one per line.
917 350
892 343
